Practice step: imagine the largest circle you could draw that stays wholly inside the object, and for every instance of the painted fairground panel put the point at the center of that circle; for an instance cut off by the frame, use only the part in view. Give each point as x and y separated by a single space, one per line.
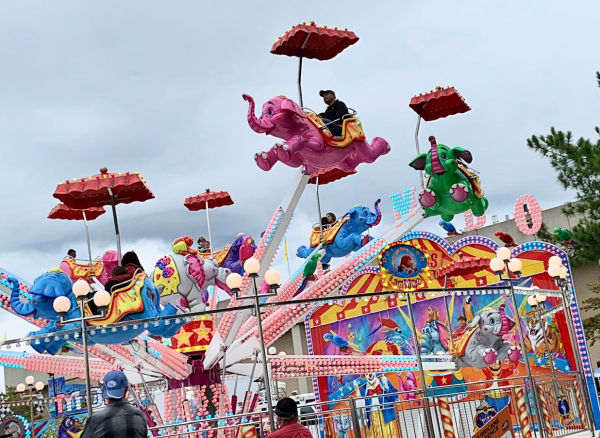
66 426
450 328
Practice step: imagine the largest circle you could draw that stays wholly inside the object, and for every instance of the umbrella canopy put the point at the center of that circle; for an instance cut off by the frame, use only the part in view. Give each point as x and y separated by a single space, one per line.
327 176
311 41
464 265
208 198
93 191
61 211
441 102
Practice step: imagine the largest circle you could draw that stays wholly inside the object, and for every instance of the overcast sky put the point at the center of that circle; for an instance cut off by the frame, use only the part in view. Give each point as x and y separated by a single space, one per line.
155 87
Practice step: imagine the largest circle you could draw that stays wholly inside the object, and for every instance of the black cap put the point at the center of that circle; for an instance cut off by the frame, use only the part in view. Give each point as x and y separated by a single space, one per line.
286 408
324 92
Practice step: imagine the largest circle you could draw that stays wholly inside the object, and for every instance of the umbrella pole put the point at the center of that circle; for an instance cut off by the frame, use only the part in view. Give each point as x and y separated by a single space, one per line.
419 149
116 222
320 215
87 238
300 81
209 233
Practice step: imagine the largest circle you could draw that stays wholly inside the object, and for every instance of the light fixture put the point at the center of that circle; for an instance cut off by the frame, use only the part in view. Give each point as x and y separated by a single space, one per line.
30 380
515 265
252 266
39 386
101 299
21 387
554 271
234 281
272 277
61 305
81 288
503 253
554 261
563 272
272 350
497 265
282 353
532 300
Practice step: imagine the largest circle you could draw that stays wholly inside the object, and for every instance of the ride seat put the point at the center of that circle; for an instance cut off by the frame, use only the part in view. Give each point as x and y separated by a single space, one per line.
351 129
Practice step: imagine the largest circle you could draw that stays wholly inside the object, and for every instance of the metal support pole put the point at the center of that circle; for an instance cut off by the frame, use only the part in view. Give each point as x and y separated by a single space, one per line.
419 150
31 411
354 417
530 378
87 238
114 212
300 80
263 348
578 361
209 233
426 411
86 359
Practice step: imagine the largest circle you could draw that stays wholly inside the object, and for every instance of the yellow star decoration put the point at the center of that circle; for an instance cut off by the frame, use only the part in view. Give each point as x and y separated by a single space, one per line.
183 338
203 332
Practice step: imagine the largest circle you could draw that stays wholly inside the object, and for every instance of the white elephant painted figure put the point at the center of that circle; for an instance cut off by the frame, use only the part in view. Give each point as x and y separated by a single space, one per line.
183 280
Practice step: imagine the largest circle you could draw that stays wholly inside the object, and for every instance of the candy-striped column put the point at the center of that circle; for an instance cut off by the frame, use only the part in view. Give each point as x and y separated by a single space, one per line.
446 416
580 405
545 413
522 413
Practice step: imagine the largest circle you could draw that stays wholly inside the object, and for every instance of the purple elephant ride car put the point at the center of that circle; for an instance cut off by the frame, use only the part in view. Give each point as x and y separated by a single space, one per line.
307 140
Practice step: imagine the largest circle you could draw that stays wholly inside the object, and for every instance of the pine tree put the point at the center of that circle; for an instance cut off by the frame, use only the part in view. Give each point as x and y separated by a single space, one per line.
578 166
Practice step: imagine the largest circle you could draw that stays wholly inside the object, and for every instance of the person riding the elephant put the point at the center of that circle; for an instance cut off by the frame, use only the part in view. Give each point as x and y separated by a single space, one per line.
335 112
328 220
72 254
131 257
203 244
130 264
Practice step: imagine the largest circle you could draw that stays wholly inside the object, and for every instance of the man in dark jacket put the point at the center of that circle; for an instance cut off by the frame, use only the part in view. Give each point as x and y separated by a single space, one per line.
335 112
287 419
119 419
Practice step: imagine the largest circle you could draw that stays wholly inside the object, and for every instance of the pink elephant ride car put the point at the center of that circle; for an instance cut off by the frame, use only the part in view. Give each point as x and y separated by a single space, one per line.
307 140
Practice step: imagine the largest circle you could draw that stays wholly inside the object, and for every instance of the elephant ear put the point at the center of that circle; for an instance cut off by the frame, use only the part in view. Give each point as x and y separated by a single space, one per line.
476 321
463 154
419 162
290 105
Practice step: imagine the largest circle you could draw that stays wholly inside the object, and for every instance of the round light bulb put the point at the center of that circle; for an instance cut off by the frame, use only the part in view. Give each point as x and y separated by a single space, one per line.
503 253
39 386
532 301
21 387
497 264
252 265
554 271
61 304
30 380
81 288
282 353
234 281
272 277
563 272
541 298
554 261
102 298
272 350
515 265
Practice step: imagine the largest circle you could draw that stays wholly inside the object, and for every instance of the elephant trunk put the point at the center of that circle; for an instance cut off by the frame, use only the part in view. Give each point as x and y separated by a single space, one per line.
436 165
258 125
377 218
21 307
506 324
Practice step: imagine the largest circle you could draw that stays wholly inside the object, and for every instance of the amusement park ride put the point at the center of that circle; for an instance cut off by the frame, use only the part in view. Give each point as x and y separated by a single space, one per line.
403 326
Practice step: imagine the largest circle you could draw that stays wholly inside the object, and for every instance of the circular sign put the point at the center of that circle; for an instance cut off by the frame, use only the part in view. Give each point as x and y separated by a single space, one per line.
401 266
13 426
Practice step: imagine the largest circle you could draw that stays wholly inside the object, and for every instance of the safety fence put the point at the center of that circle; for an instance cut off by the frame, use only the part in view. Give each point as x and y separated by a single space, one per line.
502 404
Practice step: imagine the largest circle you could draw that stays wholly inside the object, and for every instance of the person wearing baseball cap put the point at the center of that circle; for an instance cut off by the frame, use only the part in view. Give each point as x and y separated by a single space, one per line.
335 112
287 420
119 419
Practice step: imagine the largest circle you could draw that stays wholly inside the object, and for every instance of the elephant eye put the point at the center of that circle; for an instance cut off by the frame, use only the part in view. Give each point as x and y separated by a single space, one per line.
443 155
270 111
491 320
